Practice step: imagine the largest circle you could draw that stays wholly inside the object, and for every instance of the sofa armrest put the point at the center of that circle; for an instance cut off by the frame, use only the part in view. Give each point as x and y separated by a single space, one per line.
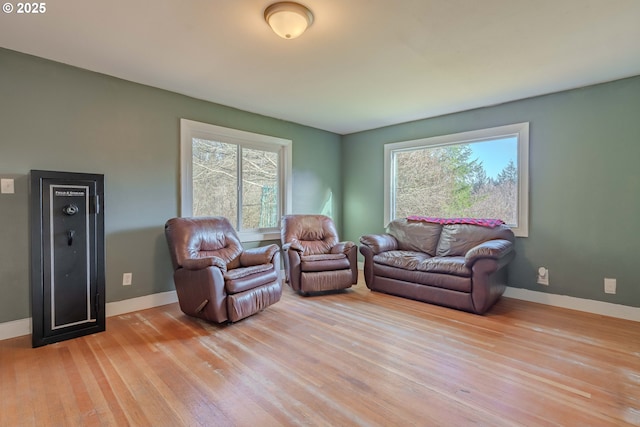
294 244
379 242
201 293
205 262
292 265
351 251
258 256
342 248
494 249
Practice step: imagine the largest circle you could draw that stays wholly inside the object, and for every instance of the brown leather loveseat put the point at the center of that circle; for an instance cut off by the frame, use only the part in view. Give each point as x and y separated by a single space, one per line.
462 266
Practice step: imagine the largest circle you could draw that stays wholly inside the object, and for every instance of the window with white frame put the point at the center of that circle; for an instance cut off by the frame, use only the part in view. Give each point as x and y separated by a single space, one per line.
482 174
243 176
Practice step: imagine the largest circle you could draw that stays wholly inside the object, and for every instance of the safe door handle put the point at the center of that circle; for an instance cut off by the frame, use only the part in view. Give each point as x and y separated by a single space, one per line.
70 235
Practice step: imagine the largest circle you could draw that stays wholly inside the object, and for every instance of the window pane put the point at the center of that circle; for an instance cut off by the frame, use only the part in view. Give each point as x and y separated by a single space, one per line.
495 184
423 185
215 179
259 189
476 179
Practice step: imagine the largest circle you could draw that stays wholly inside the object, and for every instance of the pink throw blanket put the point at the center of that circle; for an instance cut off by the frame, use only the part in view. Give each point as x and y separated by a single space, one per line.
484 222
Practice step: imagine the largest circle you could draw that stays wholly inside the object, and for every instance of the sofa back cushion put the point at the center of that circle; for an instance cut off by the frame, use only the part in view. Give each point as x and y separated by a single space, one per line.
415 236
457 239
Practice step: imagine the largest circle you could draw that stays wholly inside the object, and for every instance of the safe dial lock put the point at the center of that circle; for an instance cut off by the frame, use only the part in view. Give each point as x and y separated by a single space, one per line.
70 210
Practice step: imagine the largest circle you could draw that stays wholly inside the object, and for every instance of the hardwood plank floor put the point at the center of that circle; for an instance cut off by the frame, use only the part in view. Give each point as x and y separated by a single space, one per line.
353 358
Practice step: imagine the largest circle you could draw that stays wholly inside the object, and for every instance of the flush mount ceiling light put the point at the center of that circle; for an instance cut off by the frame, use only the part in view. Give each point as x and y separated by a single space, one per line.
288 19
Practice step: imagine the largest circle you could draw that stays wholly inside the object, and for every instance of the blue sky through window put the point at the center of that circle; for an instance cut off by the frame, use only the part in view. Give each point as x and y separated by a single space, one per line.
495 154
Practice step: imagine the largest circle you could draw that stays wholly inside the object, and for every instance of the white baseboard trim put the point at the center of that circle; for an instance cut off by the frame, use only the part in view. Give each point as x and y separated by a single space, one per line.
590 306
17 328
140 303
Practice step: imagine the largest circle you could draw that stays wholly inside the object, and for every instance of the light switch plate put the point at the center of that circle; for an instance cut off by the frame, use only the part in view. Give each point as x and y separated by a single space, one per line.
6 186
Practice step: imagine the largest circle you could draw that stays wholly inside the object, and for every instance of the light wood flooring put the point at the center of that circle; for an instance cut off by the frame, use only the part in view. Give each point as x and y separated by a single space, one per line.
350 359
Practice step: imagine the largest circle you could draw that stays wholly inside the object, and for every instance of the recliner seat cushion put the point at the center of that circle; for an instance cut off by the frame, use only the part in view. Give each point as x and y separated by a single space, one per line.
240 272
245 278
324 262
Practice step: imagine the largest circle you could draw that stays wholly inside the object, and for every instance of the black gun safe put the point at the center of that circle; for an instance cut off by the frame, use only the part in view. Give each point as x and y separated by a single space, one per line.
67 255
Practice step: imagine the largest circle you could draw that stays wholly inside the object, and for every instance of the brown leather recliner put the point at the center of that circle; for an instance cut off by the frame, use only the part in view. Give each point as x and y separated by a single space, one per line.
215 278
314 258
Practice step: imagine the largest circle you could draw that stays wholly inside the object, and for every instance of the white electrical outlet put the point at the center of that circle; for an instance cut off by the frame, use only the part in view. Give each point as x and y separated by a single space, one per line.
543 276
609 286
127 278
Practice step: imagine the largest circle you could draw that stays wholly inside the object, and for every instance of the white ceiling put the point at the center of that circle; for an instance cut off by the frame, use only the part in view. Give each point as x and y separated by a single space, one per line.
363 64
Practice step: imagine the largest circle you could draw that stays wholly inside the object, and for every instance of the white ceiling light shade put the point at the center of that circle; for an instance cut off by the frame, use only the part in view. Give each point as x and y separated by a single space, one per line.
288 19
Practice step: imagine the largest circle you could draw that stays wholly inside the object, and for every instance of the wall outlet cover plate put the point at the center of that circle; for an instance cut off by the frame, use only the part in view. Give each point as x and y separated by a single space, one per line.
609 286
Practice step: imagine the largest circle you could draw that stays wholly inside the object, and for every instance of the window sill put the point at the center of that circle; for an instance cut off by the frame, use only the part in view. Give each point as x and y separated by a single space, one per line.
257 236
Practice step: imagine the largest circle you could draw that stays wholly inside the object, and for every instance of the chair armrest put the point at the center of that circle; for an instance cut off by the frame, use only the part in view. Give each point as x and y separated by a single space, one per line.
295 245
379 242
257 256
342 248
202 263
494 249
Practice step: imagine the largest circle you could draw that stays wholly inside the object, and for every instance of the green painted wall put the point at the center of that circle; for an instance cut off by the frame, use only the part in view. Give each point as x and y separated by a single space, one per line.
584 185
584 178
56 117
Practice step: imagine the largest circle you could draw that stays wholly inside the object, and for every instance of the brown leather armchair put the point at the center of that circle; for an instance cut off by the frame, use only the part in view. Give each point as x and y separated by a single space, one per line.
215 278
314 258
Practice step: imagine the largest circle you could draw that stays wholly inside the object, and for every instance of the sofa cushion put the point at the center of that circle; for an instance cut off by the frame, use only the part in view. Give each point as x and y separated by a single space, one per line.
406 260
416 236
446 265
457 239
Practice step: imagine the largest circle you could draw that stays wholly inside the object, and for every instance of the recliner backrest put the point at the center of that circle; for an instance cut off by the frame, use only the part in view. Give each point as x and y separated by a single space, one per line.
317 234
202 237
